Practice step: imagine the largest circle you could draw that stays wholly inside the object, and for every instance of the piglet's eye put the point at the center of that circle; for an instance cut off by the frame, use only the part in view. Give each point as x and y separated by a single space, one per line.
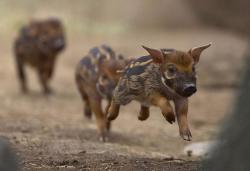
171 69
120 57
193 68
171 72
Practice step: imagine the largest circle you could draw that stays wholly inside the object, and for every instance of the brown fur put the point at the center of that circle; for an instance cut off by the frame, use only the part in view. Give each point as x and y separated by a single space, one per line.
38 45
96 77
165 75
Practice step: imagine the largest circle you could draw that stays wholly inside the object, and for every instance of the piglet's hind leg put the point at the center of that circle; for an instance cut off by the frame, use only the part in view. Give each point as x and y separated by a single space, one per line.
144 113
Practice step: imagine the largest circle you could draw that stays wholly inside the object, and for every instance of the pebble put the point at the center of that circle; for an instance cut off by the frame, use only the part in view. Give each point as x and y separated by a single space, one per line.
199 149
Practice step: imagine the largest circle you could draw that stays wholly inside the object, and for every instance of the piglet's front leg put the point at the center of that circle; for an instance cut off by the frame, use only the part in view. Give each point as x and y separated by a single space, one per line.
181 108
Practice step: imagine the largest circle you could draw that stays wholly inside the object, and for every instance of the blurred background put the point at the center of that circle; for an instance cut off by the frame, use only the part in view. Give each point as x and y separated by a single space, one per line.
46 131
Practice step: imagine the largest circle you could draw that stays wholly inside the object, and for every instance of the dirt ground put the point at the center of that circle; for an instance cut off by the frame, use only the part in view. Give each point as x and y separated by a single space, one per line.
50 133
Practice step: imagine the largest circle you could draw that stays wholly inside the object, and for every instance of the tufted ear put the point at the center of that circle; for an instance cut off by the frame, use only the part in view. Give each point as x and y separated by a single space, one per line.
196 52
156 54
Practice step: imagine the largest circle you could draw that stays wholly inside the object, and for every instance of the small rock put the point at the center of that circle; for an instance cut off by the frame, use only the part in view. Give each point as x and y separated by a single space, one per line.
189 153
70 167
25 130
168 158
199 149
82 152
75 162
66 166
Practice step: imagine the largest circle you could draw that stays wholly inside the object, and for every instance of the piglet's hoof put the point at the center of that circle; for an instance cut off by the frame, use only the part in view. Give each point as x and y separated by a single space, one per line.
48 91
113 112
24 90
87 113
108 126
110 116
170 117
103 138
143 115
186 135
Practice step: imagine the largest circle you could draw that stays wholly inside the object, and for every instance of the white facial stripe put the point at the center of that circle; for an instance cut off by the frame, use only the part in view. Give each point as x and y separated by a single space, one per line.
105 53
99 90
101 80
164 83
167 76
169 88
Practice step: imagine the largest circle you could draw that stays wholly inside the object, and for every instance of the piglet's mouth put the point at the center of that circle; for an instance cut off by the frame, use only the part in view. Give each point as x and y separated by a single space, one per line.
186 94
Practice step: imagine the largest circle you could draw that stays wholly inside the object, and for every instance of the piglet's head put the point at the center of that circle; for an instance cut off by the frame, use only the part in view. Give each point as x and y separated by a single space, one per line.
178 67
110 67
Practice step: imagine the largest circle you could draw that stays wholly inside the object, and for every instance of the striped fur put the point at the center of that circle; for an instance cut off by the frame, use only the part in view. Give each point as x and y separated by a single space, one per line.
96 77
38 44
165 75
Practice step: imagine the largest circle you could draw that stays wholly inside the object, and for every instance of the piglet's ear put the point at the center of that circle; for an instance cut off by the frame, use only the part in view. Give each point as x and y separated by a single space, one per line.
196 52
155 54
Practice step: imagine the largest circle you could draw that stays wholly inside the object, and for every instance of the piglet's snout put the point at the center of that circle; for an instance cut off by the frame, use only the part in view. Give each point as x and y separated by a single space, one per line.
189 89
59 43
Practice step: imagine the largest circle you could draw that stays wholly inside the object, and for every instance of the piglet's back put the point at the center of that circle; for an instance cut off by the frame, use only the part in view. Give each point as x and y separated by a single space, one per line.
140 78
